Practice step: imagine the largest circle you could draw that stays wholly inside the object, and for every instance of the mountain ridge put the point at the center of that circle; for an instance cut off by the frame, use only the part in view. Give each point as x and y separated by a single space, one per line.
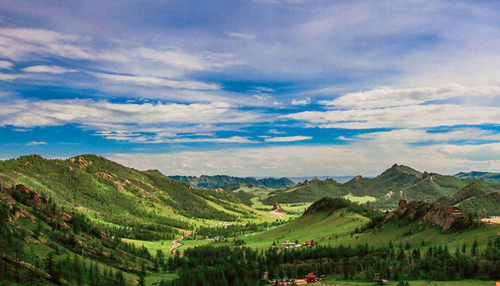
220 181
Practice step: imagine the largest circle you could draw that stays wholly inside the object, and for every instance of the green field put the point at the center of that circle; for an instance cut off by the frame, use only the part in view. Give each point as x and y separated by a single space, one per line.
392 231
318 227
360 200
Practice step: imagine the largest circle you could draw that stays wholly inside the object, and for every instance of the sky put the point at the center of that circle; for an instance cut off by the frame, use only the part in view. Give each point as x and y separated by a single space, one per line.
254 87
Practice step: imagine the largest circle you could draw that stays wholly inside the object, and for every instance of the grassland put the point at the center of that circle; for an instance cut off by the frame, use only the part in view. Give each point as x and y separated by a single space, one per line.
358 199
318 227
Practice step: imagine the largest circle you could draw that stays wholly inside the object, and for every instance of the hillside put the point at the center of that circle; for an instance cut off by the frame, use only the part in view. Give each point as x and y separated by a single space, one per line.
383 191
43 244
219 181
474 199
487 176
334 238
340 222
85 220
109 192
308 191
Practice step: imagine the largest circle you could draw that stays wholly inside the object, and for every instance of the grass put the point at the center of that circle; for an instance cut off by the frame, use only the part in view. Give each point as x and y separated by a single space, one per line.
152 246
358 199
193 243
430 234
317 226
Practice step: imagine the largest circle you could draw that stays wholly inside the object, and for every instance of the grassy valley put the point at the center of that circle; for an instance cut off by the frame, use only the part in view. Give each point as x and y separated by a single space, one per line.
89 221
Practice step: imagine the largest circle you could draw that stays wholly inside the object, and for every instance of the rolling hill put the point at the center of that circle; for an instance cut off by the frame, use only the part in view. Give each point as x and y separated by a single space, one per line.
109 192
475 199
85 220
384 191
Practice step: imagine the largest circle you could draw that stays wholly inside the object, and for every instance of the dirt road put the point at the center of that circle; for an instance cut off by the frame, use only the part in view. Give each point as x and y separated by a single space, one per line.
275 212
176 244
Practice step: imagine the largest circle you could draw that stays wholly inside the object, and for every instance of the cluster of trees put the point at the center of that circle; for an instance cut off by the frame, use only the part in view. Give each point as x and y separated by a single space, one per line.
244 266
70 259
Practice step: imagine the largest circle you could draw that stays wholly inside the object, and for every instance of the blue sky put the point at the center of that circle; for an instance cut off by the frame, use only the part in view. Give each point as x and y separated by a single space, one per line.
254 88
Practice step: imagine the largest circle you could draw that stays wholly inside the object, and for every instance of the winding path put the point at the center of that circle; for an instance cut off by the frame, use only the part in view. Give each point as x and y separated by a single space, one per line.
176 244
275 212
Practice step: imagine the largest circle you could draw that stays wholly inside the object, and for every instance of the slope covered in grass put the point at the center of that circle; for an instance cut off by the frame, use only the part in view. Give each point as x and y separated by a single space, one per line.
107 191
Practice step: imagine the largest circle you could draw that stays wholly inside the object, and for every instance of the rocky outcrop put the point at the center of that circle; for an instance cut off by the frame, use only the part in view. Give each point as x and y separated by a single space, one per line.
31 196
449 218
81 162
276 206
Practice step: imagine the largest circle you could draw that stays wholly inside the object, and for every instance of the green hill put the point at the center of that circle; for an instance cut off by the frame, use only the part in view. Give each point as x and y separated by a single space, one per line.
41 243
85 220
308 191
337 221
109 192
219 181
475 199
384 191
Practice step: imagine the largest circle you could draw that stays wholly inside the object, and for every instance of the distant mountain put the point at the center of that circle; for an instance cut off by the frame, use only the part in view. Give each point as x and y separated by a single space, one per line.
219 181
340 179
487 176
397 182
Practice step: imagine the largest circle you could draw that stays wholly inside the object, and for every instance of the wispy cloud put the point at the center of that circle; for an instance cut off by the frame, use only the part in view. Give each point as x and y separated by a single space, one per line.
6 65
35 143
48 69
390 97
10 77
415 116
91 112
155 81
136 123
288 139
305 101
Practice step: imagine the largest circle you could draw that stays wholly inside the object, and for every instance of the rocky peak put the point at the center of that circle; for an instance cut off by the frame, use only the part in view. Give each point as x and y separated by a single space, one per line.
448 217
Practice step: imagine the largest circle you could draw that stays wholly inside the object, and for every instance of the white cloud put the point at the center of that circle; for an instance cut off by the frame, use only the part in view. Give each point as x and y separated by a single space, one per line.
275 131
240 35
391 97
48 69
364 158
183 60
416 116
21 43
155 81
10 77
418 136
288 139
305 101
35 143
96 113
6 65
165 137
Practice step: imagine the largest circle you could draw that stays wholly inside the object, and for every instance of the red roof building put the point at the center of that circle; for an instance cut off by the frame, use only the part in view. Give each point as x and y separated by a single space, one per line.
310 278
